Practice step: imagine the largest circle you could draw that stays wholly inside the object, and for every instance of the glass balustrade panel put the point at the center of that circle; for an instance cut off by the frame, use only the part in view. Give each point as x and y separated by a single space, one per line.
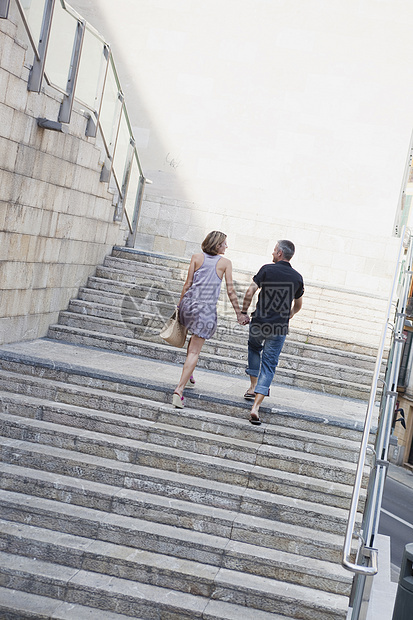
59 55
119 157
111 108
33 10
91 71
122 149
132 194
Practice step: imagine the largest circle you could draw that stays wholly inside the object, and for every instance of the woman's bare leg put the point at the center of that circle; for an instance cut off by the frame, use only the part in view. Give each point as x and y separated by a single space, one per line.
194 348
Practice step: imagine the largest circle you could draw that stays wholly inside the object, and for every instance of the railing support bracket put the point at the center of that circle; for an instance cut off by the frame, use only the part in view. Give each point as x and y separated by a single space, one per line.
45 123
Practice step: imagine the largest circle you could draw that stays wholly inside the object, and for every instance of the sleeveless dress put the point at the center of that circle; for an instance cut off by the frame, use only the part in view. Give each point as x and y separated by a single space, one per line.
198 308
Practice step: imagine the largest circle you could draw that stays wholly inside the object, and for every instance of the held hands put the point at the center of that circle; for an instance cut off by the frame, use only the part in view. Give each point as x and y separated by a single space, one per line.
243 319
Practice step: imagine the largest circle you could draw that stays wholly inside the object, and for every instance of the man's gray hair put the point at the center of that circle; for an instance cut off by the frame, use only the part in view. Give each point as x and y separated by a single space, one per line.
287 248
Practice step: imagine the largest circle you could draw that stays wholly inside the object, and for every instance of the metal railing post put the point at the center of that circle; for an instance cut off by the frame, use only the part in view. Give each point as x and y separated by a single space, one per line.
93 122
37 70
125 181
67 103
4 9
130 242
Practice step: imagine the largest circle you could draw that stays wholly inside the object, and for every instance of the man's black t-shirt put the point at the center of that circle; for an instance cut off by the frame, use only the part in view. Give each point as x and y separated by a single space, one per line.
280 284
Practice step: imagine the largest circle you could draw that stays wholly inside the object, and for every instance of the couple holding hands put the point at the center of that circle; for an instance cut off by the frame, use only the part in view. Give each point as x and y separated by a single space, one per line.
281 289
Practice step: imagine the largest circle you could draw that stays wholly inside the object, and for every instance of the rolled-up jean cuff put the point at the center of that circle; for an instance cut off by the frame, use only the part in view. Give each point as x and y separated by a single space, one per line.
263 391
252 373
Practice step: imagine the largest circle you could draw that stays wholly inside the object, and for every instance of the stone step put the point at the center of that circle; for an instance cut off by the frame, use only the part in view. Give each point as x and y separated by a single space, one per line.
254 476
333 299
143 413
184 575
27 606
79 385
257 516
164 289
317 365
244 448
146 326
327 325
143 600
154 315
152 301
284 376
287 483
172 279
329 313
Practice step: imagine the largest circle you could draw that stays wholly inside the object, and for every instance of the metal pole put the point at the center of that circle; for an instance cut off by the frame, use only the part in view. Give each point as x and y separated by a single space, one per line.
67 103
4 9
37 70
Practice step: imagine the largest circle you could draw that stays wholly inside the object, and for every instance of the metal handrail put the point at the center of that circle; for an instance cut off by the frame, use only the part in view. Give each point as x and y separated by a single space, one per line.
346 561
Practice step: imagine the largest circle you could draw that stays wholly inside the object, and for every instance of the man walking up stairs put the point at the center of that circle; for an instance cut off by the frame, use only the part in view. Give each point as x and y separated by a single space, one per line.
114 505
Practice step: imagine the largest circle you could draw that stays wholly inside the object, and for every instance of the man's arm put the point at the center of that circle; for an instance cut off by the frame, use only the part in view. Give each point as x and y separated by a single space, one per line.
296 307
252 289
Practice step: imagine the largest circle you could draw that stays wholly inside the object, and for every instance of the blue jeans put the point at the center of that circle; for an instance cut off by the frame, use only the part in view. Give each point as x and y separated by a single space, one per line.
263 353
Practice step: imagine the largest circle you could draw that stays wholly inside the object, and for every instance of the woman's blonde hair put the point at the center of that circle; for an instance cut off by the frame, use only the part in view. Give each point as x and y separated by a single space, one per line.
212 242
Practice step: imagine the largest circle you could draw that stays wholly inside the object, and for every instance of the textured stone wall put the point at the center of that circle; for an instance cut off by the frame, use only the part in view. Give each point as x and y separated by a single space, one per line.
56 217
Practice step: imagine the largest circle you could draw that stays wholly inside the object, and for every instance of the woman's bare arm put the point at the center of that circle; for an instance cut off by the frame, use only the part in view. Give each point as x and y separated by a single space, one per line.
232 295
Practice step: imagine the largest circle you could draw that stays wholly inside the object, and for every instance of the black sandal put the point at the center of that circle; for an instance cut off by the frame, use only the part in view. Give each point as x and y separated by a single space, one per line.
249 396
255 420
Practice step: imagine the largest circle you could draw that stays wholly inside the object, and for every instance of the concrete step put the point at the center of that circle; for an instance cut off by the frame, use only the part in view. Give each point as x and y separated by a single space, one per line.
288 509
27 606
287 483
257 514
147 314
284 376
183 575
140 413
109 390
146 326
142 600
172 279
334 366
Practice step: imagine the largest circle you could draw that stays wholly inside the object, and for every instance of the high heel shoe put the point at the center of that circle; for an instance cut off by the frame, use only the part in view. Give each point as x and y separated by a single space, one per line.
190 382
178 401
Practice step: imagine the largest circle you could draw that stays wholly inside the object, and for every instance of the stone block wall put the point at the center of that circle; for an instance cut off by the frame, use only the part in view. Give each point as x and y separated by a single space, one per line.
56 217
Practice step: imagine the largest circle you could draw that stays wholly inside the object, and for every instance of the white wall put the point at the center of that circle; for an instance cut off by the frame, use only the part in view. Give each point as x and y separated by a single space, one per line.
272 118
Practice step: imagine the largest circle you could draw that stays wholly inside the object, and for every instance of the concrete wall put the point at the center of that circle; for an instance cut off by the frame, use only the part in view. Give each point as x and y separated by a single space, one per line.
56 218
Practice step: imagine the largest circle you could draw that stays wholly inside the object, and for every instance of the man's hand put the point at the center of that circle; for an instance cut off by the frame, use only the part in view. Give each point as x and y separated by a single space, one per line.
243 319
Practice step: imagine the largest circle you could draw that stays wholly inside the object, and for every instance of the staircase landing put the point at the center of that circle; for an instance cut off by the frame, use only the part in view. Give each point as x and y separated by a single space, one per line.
211 386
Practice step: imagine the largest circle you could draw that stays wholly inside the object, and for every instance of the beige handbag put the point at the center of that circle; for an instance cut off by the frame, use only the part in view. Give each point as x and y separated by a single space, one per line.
174 332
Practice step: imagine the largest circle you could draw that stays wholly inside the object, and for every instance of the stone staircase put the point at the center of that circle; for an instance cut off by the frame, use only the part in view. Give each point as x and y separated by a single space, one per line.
114 505
124 306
